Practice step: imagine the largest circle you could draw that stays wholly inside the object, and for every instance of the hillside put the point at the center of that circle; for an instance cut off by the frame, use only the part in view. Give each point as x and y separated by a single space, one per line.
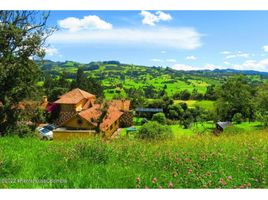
116 77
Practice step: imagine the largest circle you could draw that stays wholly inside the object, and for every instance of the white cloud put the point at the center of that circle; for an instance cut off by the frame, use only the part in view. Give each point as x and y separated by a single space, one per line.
237 55
171 60
51 51
163 52
91 22
157 60
265 48
225 52
226 63
151 19
183 67
261 65
179 38
190 58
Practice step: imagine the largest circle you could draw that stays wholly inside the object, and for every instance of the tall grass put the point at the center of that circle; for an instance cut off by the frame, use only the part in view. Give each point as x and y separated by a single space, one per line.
205 161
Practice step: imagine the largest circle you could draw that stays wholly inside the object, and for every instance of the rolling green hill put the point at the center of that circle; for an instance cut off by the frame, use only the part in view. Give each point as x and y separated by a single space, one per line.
116 78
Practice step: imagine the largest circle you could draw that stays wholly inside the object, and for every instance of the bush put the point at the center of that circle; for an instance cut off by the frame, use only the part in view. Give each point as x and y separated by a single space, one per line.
154 130
237 118
263 118
21 130
160 118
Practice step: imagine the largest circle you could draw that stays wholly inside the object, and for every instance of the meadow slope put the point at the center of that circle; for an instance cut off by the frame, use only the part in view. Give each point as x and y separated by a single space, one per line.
234 160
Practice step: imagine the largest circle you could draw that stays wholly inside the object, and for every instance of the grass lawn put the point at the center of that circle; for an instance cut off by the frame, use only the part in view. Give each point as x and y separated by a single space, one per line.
205 104
199 161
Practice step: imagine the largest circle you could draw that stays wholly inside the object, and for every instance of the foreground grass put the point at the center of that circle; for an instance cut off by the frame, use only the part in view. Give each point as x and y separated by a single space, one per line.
227 161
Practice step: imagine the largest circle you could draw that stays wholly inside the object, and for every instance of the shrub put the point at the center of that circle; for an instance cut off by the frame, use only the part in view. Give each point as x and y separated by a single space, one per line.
160 118
237 118
154 130
263 118
21 130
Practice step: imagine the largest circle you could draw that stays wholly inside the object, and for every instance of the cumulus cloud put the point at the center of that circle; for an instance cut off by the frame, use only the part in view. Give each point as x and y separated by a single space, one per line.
183 67
190 58
179 38
151 19
237 55
51 51
157 60
171 60
225 52
261 65
265 48
91 22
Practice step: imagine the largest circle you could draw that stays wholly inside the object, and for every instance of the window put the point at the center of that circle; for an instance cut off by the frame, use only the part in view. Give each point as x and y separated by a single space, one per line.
79 122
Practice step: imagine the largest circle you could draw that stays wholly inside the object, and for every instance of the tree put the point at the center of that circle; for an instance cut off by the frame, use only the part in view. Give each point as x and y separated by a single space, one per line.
160 118
261 104
88 84
210 93
234 96
187 119
22 38
237 118
185 95
154 130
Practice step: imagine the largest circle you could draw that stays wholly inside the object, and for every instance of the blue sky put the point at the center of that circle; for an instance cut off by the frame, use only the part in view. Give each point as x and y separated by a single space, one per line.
179 39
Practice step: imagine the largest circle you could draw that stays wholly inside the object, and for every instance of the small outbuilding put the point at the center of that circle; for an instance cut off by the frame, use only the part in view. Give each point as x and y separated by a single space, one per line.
220 126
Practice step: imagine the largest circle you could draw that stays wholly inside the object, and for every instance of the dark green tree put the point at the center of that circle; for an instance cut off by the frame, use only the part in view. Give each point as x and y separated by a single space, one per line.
261 103
22 39
234 96
160 118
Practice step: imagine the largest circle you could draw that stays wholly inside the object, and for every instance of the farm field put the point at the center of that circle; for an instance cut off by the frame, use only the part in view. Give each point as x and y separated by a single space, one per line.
235 159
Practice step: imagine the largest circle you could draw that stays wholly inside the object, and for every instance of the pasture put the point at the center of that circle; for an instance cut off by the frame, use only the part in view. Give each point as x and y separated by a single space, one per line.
235 159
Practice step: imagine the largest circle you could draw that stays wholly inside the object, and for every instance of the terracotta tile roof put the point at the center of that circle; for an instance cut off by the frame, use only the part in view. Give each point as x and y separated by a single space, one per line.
113 114
74 97
123 105
91 114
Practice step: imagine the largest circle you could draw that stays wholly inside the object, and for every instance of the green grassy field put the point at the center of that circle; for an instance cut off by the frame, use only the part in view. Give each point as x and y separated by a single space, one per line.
235 159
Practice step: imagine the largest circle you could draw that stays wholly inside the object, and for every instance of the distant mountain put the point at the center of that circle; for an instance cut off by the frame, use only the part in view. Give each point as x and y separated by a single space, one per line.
246 72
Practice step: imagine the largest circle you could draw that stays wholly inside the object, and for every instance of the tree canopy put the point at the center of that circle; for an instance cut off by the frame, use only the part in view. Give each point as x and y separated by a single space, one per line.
22 39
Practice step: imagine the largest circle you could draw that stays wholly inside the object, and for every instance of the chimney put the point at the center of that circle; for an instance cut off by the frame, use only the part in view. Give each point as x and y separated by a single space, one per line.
123 104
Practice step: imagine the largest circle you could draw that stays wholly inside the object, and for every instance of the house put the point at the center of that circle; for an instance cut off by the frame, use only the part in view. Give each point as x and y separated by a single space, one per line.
80 113
222 125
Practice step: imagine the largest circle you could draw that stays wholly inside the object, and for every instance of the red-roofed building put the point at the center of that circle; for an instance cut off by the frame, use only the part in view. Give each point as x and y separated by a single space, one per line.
78 111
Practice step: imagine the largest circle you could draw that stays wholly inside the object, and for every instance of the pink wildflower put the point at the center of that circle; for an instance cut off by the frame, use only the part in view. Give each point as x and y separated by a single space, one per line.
154 180
170 185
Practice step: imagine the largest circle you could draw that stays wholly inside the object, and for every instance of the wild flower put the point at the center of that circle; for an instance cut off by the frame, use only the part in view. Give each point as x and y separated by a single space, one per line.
154 180
222 181
229 177
208 174
170 185
190 171
138 179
